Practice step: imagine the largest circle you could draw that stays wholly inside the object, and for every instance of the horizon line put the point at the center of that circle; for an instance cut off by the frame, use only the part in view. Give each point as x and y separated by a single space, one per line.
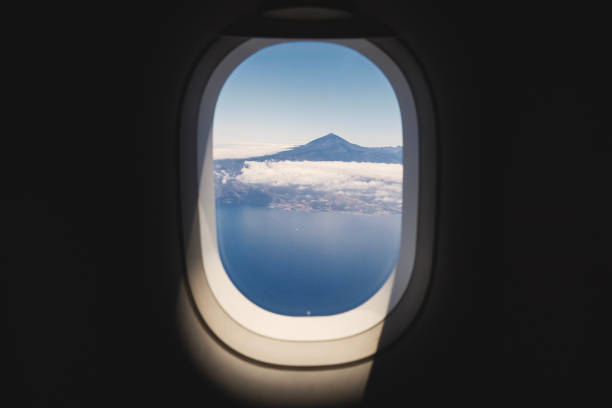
298 144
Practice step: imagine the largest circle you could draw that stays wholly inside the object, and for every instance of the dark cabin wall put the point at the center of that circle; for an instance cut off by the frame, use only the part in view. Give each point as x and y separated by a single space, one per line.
92 206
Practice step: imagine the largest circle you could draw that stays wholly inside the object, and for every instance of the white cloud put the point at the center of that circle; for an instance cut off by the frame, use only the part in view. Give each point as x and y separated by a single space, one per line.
372 181
246 150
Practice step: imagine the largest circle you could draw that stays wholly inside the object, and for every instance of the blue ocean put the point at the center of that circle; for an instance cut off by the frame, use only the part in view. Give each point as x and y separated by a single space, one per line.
301 263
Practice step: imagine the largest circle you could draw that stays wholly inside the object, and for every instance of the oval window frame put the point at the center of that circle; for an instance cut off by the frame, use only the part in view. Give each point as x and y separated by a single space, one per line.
306 340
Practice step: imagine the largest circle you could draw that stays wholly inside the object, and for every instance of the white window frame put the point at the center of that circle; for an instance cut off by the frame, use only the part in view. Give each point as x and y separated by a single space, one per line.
302 340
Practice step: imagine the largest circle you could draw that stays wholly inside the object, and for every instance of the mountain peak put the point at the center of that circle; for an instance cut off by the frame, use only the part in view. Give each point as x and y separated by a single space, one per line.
332 147
330 137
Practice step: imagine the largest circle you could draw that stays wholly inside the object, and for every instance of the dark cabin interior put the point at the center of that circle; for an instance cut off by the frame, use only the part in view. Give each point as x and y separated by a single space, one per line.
93 222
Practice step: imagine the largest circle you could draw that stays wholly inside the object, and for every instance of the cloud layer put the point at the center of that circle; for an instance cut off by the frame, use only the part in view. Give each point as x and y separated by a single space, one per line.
341 177
371 188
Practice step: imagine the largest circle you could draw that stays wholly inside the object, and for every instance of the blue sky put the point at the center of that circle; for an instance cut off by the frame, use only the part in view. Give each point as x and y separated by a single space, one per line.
294 92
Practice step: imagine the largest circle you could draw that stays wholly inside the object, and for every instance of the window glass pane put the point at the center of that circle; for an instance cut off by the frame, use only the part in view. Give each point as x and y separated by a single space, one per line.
308 178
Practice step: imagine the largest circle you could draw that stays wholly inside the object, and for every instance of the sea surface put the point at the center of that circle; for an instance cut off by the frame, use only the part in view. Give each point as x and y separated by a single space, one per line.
302 263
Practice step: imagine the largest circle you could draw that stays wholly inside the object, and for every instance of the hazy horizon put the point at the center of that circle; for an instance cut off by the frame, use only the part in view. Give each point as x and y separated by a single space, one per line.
245 150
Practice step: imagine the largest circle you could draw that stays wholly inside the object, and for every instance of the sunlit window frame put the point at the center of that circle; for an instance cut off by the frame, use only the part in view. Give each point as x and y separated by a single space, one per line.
306 340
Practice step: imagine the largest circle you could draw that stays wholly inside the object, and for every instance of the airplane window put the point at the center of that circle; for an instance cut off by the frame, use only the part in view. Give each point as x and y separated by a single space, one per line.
308 176
306 168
